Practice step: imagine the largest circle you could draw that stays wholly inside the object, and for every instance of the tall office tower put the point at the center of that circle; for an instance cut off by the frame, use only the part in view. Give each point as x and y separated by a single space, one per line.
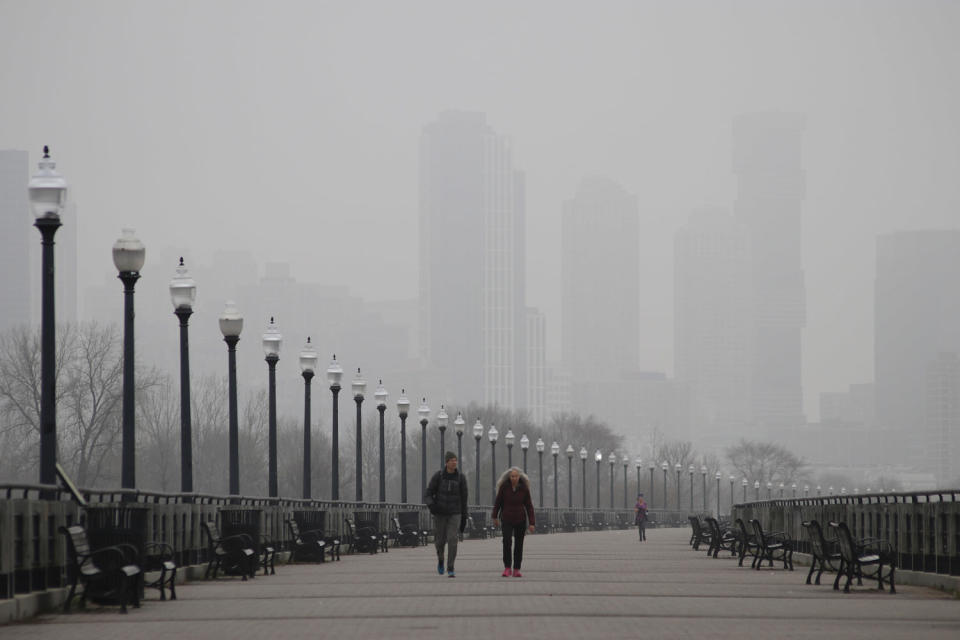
600 272
536 365
17 236
916 318
713 336
472 260
942 418
770 176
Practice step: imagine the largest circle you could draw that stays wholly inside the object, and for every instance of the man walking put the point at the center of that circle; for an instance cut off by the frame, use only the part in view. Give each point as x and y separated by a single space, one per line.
446 498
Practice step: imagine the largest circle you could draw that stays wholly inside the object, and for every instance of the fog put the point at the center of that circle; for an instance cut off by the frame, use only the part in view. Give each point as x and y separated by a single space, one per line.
292 130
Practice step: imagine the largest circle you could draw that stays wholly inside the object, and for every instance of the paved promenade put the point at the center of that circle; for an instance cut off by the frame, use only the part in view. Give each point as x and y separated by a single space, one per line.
585 585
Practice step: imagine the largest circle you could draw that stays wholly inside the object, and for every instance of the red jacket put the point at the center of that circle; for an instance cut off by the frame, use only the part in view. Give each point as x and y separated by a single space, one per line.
512 504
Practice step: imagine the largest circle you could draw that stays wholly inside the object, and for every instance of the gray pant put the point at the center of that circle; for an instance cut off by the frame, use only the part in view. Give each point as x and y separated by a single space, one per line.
446 530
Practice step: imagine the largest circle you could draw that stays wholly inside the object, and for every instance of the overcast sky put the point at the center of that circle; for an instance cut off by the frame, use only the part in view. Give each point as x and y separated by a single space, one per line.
291 128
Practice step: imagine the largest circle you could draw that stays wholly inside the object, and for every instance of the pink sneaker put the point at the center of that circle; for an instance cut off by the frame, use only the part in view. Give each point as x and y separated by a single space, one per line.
517 574
506 573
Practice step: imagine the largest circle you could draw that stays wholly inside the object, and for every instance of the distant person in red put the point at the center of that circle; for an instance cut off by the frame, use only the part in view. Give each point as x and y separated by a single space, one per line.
514 505
641 518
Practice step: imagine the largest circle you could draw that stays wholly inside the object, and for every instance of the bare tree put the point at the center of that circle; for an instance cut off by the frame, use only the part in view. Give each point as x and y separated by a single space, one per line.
765 462
159 428
209 422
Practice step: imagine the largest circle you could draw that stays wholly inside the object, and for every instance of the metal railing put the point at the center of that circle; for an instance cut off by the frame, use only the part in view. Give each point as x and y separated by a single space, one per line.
922 527
33 552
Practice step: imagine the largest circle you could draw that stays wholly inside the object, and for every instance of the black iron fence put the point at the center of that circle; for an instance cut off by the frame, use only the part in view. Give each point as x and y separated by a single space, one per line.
33 552
922 527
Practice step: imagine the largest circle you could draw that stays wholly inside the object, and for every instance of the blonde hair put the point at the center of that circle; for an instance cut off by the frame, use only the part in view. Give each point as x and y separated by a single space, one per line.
505 478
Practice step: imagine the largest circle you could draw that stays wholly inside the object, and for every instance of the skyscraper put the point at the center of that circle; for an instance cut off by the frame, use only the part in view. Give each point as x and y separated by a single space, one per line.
472 260
17 235
768 165
917 318
600 271
713 326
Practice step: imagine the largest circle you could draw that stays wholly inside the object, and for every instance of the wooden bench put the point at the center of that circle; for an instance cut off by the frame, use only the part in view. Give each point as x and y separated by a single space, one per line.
107 574
598 521
777 545
407 529
316 523
825 554
746 543
699 534
370 521
234 555
362 539
569 521
306 545
863 558
721 538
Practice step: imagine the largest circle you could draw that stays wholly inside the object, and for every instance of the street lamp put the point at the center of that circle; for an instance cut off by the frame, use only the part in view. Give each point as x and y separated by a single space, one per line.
769 490
524 445
756 490
334 373
403 409
308 366
612 459
598 457
818 491
554 451
583 477
744 483
381 395
477 435
48 195
424 413
492 435
183 293
703 474
690 469
806 491
569 452
442 419
540 447
458 425
271 349
665 467
359 386
781 491
509 438
626 463
678 467
653 467
128 257
231 324
639 463
718 476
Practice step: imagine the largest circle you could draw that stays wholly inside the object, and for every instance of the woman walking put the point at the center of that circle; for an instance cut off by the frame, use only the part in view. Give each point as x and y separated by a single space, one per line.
514 506
641 518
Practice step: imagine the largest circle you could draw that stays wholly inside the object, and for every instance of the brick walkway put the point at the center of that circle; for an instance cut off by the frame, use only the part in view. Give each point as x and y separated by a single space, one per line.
586 585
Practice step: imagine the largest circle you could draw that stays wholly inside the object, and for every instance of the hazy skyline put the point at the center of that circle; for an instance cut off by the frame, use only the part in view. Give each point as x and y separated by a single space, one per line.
291 129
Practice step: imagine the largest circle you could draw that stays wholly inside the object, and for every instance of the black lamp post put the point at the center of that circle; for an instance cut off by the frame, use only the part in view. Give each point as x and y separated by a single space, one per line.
756 490
48 194
690 468
540 447
744 484
626 463
653 467
583 477
769 490
458 426
334 373
570 476
678 467
554 451
477 435
665 466
359 386
271 350
794 488
639 463
231 324
598 457
732 479
424 413
718 494
612 459
703 474
381 395
781 491
183 293
492 436
524 445
128 257
442 419
509 438
308 366
403 409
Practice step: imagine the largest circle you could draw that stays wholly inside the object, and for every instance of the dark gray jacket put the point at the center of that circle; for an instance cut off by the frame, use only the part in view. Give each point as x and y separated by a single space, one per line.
447 493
